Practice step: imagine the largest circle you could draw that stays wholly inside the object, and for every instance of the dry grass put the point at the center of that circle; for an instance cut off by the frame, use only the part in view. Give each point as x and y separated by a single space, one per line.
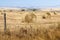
40 29
31 33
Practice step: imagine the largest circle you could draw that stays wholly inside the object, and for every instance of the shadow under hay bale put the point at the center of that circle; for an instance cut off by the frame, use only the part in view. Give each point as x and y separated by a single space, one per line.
34 9
23 10
43 17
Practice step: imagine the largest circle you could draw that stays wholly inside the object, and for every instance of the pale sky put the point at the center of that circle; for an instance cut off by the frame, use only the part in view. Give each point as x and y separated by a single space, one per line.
30 3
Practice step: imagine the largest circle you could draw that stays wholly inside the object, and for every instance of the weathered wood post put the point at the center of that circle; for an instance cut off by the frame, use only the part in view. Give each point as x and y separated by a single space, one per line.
4 22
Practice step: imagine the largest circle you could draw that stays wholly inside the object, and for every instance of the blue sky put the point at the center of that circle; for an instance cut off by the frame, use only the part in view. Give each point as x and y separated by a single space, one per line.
30 3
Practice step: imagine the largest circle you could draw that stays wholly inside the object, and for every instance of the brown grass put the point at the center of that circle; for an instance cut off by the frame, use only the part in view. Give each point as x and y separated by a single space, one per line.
40 29
31 33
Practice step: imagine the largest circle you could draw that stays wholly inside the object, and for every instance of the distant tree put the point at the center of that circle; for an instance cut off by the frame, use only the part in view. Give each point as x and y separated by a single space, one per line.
22 9
34 9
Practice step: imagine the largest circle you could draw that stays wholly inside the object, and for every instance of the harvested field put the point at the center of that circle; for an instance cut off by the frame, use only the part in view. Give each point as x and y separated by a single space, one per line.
30 25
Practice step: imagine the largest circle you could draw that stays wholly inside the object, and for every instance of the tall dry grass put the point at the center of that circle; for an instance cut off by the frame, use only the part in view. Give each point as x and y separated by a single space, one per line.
32 33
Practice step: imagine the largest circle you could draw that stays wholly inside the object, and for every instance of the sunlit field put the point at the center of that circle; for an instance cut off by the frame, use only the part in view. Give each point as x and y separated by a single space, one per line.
30 24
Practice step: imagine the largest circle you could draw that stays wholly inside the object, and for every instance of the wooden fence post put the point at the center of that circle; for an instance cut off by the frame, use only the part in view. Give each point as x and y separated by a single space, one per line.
4 22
